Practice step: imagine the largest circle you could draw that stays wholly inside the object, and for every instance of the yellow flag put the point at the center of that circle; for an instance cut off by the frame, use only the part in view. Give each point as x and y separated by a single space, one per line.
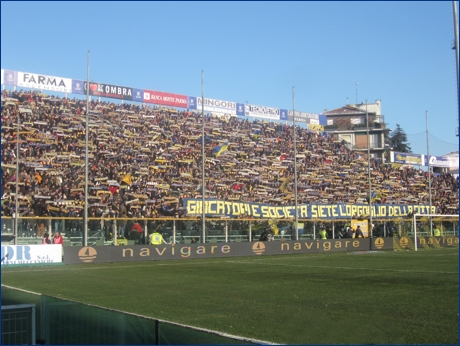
127 179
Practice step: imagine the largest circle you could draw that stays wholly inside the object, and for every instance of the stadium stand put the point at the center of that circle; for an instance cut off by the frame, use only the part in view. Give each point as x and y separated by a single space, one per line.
144 160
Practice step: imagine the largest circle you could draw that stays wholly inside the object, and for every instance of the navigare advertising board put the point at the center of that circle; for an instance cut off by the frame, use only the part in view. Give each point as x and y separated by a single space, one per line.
103 90
166 99
43 82
262 112
31 254
135 253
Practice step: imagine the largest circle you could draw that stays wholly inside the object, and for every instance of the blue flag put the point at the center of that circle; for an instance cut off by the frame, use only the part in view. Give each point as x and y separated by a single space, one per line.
206 139
220 149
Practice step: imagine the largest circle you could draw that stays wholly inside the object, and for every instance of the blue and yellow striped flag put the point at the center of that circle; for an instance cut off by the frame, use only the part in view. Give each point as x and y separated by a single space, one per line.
220 149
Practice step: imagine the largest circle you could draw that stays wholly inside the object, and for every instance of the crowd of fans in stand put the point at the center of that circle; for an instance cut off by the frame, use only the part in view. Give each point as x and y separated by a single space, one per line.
144 160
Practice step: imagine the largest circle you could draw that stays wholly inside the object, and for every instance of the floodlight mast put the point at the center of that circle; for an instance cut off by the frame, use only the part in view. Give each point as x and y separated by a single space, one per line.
369 229
85 233
295 167
203 158
16 195
429 170
455 15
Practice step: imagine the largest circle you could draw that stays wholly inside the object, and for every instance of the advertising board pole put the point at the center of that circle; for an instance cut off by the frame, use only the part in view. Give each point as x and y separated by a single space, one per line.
295 168
16 195
369 227
429 171
203 158
85 221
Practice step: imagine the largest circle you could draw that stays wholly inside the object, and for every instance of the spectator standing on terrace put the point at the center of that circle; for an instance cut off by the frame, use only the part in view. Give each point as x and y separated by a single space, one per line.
137 227
266 235
136 232
359 232
94 225
351 232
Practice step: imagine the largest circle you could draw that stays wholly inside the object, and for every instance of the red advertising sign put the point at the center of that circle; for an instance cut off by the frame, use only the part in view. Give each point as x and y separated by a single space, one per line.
167 99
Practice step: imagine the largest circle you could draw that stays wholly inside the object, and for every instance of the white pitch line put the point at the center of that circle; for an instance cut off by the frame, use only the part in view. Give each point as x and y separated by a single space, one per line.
54 269
22 290
212 261
210 331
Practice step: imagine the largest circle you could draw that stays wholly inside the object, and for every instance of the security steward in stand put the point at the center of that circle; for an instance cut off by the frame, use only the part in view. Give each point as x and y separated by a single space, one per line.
436 232
323 233
156 238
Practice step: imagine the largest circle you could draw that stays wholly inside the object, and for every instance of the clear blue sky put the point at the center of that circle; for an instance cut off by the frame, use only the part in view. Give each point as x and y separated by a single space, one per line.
398 52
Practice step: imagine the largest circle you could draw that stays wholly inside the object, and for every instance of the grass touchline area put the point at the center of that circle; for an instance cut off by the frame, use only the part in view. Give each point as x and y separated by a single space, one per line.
391 297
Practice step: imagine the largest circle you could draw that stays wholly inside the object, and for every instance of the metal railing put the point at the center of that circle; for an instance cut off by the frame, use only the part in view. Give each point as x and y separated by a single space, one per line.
118 231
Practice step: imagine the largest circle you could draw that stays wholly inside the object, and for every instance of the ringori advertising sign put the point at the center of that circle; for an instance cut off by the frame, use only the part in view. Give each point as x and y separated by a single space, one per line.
217 106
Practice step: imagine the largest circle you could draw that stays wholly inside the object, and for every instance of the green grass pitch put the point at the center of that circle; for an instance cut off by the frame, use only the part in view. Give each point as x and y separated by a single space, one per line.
389 297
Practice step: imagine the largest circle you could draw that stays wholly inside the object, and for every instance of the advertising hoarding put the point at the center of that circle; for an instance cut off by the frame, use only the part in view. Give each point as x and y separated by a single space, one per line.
31 254
407 158
44 82
103 90
302 117
165 99
262 112
422 160
216 106
138 95
136 253
444 162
